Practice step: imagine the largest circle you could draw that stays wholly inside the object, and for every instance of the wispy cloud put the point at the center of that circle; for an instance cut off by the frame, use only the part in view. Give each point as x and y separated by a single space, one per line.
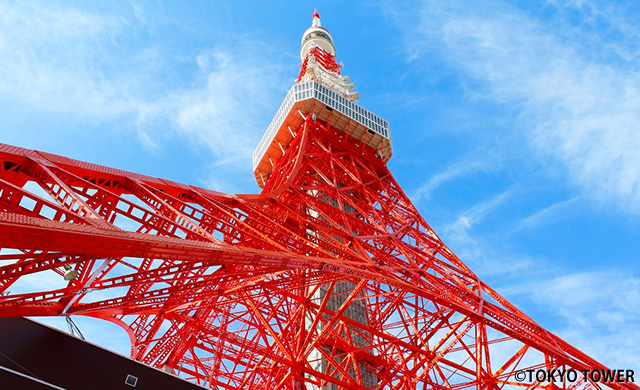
227 112
478 250
547 215
576 91
599 312
92 68
566 72
477 213
452 172
48 57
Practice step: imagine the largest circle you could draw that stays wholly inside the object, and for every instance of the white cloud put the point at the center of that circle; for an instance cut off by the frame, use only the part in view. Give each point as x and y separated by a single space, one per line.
92 68
50 61
577 93
549 214
571 77
229 112
452 172
479 252
600 312
474 215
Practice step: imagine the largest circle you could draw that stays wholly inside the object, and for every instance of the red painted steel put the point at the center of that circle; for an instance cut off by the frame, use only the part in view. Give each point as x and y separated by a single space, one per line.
225 288
323 58
330 278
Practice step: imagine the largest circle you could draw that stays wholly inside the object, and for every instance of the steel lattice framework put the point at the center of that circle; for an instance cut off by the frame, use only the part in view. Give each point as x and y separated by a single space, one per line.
329 278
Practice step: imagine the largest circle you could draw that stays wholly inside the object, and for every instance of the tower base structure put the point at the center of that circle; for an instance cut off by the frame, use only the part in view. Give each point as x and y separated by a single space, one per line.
328 279
328 276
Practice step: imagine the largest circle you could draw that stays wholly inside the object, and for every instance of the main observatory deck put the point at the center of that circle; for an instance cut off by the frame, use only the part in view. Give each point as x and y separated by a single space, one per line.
328 106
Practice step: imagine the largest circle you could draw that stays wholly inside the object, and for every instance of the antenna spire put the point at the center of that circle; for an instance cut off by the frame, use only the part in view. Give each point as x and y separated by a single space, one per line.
318 56
316 18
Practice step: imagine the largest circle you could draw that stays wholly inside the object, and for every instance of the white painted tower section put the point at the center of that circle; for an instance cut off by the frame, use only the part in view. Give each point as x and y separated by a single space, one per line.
318 36
323 92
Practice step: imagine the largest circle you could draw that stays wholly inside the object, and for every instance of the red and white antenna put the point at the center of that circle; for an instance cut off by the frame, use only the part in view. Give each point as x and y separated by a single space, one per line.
318 56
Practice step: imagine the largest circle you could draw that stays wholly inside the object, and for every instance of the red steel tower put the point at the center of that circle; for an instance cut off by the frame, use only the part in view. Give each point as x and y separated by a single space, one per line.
327 279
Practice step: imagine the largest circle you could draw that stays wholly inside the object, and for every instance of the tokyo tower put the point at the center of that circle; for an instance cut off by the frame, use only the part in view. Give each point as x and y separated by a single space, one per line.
327 279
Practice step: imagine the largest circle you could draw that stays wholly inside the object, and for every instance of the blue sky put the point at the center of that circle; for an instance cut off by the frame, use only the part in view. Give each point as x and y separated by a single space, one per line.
515 124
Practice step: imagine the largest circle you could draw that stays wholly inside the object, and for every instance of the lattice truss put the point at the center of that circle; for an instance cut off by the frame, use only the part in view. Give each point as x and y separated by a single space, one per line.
328 279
